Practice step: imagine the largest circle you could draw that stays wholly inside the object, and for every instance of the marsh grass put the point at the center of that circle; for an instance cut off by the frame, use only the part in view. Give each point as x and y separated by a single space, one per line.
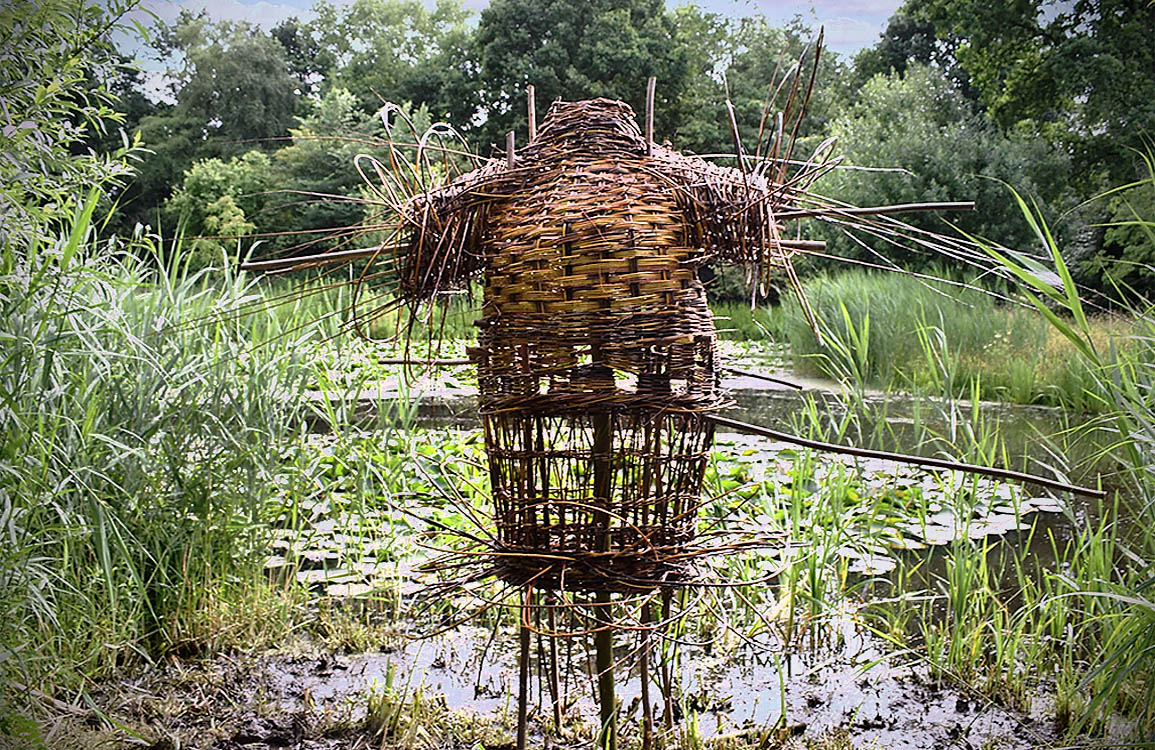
1104 590
893 331
143 438
1080 623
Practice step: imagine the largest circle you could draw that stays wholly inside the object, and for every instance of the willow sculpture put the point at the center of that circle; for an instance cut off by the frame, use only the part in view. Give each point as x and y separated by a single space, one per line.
596 352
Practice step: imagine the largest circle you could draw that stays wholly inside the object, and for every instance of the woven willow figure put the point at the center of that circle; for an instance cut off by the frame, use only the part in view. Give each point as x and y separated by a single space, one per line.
596 353
597 362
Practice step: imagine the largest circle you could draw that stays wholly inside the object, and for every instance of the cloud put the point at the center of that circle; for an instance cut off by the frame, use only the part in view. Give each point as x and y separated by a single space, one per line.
850 24
848 35
261 13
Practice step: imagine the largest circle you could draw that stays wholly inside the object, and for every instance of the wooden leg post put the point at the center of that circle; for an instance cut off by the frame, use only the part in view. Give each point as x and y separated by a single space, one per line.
647 707
667 678
604 662
523 676
554 679
603 446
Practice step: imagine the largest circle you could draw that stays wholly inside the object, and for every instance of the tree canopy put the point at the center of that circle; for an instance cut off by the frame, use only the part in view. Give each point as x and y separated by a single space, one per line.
1056 98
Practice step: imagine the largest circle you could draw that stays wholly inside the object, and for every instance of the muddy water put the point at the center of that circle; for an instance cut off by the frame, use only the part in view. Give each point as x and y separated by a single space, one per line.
852 688
849 683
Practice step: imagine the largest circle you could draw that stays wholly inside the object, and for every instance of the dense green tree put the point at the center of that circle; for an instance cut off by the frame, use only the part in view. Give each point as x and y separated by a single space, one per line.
763 52
699 113
920 124
577 49
910 39
1078 74
233 92
1083 72
1125 259
320 162
400 51
196 206
299 198
234 84
305 58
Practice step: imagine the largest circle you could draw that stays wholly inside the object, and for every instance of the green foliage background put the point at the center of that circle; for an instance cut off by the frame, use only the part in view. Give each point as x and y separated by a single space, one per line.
1052 97
148 448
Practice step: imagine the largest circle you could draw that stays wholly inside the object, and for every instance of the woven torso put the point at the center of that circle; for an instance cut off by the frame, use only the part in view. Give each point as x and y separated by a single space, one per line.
591 294
596 352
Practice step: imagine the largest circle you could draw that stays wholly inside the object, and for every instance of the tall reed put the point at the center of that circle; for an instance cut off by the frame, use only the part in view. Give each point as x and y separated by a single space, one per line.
139 434
880 326
1107 582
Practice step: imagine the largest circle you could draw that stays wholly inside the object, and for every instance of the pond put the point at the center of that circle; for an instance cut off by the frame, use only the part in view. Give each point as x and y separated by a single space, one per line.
879 531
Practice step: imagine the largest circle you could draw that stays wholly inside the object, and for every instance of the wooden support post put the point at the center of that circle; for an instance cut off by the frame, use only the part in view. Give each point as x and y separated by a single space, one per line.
523 672
532 113
667 678
554 679
509 141
651 85
647 707
601 454
604 663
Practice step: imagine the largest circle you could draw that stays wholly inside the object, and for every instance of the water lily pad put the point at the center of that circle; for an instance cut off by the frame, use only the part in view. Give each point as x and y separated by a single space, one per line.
872 565
1045 504
994 526
905 543
275 561
334 575
319 555
935 534
347 590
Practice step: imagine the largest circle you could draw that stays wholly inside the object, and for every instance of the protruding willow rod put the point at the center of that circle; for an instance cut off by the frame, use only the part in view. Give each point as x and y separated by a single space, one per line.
989 471
346 256
898 208
651 85
761 376
340 256
460 362
531 112
523 670
811 245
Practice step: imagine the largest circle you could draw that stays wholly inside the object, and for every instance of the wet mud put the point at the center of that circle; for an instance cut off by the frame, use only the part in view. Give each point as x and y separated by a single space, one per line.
463 690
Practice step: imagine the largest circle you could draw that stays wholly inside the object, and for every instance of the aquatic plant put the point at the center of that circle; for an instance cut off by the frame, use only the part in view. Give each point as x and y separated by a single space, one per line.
1108 581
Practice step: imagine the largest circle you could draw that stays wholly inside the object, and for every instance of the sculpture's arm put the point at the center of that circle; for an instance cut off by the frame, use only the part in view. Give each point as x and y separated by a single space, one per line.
732 216
441 230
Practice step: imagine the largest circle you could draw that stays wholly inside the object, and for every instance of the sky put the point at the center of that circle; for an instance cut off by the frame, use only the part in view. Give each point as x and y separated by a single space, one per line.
850 24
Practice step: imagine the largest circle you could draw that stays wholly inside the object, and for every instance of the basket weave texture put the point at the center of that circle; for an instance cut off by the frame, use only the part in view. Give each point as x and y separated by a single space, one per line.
596 349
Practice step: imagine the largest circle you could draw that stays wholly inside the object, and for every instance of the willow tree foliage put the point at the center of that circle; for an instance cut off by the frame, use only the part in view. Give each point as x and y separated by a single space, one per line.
57 62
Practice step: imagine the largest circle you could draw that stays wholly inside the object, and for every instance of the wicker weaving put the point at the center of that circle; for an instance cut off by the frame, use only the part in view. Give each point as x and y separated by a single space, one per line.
597 363
596 349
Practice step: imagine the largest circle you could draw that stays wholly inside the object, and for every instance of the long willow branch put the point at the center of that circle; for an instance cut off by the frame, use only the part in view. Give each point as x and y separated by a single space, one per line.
902 457
898 208
458 362
341 256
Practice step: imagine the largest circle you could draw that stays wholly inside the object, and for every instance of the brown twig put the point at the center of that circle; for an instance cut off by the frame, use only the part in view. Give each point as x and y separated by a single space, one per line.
938 463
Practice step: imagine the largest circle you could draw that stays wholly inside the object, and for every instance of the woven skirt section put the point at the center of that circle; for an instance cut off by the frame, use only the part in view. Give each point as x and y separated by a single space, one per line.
599 499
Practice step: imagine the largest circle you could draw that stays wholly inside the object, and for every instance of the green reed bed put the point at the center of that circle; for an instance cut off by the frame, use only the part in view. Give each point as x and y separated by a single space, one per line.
1104 592
894 331
1077 623
144 441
